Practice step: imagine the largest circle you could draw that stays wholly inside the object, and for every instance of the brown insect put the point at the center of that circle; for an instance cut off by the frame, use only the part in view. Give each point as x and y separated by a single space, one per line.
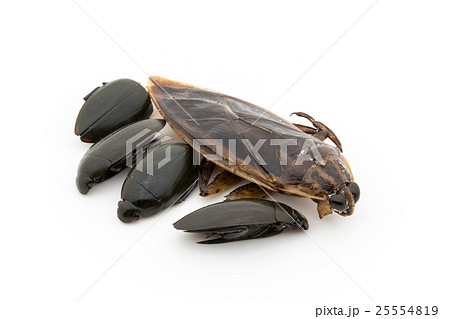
259 146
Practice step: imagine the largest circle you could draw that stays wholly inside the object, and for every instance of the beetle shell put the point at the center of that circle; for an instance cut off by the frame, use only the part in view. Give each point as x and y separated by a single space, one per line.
146 192
107 157
242 219
110 107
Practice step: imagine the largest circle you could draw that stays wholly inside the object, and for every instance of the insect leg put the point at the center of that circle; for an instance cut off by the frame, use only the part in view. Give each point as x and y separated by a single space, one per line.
204 173
324 208
222 181
250 190
225 235
321 135
306 129
320 128
242 233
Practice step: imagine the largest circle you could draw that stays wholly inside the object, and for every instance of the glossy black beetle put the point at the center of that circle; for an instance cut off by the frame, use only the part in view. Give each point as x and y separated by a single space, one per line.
109 156
162 177
242 219
110 107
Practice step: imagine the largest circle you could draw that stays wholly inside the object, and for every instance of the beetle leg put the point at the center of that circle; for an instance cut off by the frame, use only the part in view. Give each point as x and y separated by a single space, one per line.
222 181
250 190
324 208
320 128
321 135
306 129
204 173
226 234
240 233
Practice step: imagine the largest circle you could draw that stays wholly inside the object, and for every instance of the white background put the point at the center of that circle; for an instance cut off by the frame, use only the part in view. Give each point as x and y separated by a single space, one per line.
382 84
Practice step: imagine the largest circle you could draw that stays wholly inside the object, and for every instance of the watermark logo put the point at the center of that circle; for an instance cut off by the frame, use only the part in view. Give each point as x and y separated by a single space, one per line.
145 142
150 162
135 145
226 150
261 151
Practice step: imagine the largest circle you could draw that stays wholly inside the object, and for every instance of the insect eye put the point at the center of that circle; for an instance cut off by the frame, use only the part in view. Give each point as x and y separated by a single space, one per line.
354 188
338 202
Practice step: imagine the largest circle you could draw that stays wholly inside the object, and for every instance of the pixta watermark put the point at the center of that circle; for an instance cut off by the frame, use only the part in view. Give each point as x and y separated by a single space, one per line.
240 152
